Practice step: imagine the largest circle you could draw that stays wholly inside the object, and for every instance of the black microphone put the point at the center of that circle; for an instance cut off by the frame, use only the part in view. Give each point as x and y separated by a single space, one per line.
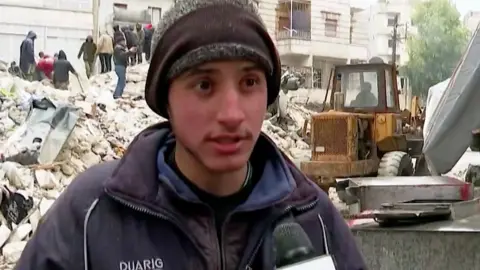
292 244
294 250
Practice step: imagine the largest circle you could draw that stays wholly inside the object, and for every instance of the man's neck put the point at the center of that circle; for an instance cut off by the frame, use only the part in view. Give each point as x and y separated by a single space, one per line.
219 184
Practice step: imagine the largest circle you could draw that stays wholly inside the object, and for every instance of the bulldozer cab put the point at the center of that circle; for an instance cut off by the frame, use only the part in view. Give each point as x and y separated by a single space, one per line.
368 88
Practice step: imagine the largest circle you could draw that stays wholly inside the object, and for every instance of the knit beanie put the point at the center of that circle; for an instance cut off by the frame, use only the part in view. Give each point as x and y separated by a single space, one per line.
194 32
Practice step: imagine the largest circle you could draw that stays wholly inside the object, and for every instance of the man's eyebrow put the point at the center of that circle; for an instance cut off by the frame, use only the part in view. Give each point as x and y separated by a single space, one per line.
201 71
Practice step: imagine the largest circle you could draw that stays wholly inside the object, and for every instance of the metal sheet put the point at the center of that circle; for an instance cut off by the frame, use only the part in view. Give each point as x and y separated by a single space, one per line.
373 192
405 181
449 133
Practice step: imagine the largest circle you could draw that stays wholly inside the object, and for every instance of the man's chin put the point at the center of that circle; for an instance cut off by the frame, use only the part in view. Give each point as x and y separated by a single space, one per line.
225 165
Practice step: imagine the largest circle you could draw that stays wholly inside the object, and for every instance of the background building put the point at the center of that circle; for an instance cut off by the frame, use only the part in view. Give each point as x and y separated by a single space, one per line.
59 24
471 20
314 35
381 24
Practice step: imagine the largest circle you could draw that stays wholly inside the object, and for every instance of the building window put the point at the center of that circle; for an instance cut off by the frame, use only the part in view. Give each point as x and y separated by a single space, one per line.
155 14
120 5
293 20
331 27
331 23
390 43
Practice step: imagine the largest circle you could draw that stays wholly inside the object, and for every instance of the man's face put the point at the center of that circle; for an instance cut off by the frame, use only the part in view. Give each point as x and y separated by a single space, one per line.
216 111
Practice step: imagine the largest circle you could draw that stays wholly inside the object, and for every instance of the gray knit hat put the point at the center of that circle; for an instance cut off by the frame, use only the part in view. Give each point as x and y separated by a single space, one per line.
194 32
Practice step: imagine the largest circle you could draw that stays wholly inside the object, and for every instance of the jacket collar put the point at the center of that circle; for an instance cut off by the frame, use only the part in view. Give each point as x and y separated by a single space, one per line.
137 177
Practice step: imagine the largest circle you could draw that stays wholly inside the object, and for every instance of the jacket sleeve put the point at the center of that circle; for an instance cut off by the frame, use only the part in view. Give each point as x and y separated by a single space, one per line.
343 246
71 69
57 243
80 52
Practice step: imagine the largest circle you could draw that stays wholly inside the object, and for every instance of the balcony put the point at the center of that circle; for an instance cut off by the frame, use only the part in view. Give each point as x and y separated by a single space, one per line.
293 27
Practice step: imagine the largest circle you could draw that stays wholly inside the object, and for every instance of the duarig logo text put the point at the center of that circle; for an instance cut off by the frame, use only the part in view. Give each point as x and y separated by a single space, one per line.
150 264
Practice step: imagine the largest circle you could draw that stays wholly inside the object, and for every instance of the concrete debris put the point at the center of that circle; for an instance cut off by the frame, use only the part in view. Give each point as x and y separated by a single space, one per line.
103 129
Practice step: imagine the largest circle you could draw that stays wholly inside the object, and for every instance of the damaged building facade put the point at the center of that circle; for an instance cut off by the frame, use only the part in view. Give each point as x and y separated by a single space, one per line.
313 36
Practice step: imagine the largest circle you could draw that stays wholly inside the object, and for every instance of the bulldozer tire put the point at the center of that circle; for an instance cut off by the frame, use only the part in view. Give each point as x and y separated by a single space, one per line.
395 163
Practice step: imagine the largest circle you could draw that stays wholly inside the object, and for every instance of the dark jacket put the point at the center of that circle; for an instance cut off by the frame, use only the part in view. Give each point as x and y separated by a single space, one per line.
131 38
148 40
117 37
137 214
27 52
88 49
140 36
120 55
61 68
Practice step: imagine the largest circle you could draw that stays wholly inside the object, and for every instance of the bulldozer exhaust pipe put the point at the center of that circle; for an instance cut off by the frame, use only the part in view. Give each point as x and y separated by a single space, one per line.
338 101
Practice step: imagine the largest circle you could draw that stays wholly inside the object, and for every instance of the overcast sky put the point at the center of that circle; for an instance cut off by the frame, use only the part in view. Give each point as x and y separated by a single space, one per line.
462 5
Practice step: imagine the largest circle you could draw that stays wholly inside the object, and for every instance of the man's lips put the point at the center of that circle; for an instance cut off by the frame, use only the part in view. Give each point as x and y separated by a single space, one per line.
227 144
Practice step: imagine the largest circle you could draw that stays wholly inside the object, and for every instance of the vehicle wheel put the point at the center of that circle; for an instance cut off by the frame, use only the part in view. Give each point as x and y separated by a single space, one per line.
395 163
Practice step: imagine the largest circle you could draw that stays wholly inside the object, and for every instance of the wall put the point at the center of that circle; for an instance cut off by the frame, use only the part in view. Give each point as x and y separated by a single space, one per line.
381 32
47 19
471 20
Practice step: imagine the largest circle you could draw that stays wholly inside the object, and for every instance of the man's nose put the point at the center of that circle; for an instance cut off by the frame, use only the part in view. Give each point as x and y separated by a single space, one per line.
231 110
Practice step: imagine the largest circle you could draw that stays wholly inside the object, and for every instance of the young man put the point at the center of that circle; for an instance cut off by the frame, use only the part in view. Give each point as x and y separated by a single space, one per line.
89 52
61 71
205 189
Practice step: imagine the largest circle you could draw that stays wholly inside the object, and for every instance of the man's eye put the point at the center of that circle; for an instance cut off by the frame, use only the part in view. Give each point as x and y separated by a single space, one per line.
204 85
251 82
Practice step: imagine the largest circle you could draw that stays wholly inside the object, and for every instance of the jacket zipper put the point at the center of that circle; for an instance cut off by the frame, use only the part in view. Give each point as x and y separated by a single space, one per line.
147 211
302 208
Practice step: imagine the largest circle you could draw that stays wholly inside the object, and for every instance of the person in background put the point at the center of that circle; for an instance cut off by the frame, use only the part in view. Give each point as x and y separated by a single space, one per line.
118 35
45 66
141 42
121 54
88 50
147 41
132 41
15 70
27 56
105 51
61 69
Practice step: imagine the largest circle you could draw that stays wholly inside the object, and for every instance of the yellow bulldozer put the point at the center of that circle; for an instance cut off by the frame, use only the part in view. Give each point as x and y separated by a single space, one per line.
361 133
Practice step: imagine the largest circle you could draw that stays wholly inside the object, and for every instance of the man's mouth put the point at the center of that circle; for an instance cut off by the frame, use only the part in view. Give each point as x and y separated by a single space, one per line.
227 145
227 139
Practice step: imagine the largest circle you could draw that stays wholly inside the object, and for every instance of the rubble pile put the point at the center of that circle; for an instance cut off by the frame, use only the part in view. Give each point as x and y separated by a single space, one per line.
102 129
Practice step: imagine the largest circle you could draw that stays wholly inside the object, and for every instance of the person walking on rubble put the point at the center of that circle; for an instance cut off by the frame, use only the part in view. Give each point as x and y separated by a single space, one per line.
141 42
27 56
205 189
89 50
120 57
118 35
105 52
61 69
44 66
132 41
147 41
